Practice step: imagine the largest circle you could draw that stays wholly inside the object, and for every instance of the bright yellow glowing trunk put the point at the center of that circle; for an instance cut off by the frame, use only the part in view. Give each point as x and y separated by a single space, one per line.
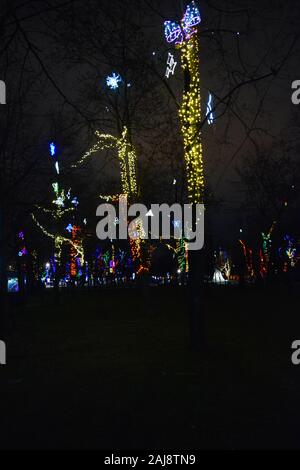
127 158
190 117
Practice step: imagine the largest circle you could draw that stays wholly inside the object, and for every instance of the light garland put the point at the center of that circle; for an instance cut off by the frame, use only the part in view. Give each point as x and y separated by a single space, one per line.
265 252
248 254
59 240
181 252
115 198
185 38
291 251
127 159
190 116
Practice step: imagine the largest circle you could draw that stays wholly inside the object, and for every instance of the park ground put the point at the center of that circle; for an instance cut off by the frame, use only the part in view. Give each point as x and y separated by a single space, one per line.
112 369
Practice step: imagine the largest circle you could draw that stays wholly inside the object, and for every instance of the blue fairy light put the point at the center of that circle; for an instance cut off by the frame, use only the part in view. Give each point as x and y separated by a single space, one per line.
52 149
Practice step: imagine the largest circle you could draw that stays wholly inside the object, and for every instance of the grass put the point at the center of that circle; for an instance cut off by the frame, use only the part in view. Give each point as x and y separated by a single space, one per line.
112 369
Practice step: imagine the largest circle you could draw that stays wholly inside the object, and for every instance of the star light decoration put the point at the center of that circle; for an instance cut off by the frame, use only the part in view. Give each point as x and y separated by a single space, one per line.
113 81
186 40
171 65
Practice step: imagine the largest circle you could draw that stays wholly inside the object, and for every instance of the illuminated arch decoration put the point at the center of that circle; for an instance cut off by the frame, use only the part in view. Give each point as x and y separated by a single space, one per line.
127 159
186 40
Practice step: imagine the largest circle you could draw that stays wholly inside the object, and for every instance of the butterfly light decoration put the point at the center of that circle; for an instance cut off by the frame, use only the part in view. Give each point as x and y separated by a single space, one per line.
183 31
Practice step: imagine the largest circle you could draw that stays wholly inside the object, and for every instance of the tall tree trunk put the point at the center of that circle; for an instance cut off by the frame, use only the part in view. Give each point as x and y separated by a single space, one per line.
196 300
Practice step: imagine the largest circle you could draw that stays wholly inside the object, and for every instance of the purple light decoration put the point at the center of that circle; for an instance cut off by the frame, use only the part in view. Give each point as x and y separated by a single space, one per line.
23 252
183 31
21 235
79 267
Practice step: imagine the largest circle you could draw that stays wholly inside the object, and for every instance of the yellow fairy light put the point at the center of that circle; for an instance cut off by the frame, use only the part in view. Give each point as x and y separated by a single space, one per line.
190 117
57 213
127 158
59 241
114 198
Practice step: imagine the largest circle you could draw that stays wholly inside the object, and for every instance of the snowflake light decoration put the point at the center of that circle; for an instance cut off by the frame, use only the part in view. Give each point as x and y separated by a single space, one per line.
113 81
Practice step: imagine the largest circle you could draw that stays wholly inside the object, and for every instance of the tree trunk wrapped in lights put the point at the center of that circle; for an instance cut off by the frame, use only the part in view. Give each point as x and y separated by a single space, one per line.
190 117
184 34
126 155
128 163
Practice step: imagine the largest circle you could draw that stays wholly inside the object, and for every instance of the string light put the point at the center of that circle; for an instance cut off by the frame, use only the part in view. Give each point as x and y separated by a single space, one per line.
291 251
59 240
190 112
115 198
248 258
265 252
190 116
77 253
127 158
181 252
